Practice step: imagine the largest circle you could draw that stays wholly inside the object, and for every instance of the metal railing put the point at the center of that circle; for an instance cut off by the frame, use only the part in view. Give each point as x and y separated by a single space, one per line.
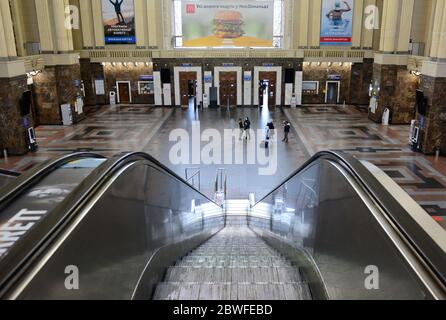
221 184
193 177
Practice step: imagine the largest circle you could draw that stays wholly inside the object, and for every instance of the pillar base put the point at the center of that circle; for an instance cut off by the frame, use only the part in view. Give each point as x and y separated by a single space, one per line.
396 90
56 85
433 132
13 126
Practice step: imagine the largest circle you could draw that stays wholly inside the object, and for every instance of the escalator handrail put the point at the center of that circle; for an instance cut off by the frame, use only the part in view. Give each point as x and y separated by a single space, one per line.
35 242
29 178
9 173
431 253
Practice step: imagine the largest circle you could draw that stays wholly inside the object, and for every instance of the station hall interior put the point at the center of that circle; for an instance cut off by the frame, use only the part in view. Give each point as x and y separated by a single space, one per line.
225 149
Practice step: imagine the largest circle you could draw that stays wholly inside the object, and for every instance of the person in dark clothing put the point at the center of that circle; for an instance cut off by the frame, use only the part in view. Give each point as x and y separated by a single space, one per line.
117 4
247 128
271 130
287 130
241 127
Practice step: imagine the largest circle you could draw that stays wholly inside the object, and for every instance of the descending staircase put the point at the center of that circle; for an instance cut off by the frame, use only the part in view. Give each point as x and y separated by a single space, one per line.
233 265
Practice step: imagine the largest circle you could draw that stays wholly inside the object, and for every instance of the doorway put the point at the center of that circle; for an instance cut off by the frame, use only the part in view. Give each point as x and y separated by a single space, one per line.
228 88
333 92
269 82
264 93
188 87
124 93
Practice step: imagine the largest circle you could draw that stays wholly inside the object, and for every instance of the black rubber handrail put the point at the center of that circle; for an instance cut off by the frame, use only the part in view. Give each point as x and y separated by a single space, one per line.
9 173
27 250
29 178
431 253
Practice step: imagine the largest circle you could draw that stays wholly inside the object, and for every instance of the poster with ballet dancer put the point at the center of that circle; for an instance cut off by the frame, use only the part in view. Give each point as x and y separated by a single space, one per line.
337 22
119 21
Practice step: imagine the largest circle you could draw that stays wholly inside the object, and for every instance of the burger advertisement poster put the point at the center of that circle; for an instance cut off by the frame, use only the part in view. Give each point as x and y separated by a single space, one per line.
119 21
220 23
337 22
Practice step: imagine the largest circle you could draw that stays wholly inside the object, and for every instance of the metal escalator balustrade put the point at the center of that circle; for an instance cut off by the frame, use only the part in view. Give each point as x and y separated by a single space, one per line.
7 177
147 217
26 202
346 222
318 232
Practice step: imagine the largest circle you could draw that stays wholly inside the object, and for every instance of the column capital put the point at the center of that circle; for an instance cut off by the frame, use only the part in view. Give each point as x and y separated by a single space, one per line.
434 69
391 59
12 68
64 59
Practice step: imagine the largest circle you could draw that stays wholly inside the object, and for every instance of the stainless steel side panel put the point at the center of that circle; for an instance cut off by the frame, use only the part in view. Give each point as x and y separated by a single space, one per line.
322 212
139 211
5 179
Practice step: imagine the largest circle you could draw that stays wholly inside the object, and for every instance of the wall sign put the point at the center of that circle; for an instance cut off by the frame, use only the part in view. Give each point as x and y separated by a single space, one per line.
100 87
334 77
228 23
337 23
118 17
146 77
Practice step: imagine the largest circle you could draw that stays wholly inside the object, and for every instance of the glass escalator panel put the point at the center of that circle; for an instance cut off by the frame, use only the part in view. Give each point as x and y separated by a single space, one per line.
31 206
355 242
123 239
7 177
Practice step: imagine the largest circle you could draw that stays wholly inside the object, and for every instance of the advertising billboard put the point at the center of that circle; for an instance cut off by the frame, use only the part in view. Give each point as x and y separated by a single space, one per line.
337 22
221 23
119 21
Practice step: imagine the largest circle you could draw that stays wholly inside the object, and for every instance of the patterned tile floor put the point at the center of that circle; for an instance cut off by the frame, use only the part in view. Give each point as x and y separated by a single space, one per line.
349 130
138 128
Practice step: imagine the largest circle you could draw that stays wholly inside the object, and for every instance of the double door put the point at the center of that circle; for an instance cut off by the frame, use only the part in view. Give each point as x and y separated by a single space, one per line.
270 80
228 88
188 87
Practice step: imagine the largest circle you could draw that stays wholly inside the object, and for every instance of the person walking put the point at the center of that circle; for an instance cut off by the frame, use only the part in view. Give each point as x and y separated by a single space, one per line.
287 129
247 128
241 127
271 130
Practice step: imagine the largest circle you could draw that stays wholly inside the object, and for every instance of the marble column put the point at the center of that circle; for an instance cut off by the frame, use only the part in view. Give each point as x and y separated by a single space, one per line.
7 29
389 26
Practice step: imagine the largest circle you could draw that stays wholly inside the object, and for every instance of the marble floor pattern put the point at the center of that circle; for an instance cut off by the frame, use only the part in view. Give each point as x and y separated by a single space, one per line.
348 129
315 128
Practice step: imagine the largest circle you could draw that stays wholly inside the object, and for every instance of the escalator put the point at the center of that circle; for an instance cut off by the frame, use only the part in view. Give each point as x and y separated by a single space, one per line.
129 228
6 177
236 264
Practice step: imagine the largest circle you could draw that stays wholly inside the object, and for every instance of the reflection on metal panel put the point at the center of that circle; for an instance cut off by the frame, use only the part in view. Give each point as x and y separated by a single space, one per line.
338 227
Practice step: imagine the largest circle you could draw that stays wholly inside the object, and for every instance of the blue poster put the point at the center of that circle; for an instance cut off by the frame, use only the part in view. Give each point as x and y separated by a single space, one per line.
337 23
119 21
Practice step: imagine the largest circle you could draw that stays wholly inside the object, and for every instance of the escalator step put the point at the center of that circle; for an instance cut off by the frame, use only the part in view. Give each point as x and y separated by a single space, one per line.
233 274
232 291
233 265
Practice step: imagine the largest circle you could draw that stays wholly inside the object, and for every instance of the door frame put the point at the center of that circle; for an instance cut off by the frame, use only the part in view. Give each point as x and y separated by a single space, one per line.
239 71
279 83
339 90
199 72
130 90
